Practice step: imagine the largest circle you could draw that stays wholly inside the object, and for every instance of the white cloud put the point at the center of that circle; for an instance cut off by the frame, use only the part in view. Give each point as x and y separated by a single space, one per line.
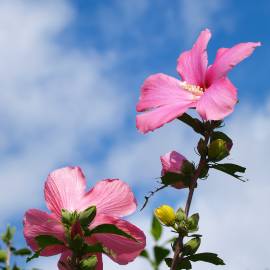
54 99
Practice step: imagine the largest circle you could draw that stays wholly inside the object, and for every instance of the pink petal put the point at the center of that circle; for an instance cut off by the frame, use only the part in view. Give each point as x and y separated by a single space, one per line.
218 101
64 189
68 253
163 96
36 223
192 65
123 250
226 59
111 196
172 162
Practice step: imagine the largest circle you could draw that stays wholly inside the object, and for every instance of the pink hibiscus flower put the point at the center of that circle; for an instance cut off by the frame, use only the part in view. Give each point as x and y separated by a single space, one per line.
206 88
66 189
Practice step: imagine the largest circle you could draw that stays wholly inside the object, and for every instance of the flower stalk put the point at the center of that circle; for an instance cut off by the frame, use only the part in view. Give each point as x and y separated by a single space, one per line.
178 254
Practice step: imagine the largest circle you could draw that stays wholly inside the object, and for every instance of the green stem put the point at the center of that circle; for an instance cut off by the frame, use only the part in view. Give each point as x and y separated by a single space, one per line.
178 255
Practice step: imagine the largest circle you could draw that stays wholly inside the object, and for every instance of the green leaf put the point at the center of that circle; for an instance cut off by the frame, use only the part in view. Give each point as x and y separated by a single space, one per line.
207 257
3 255
184 264
110 228
22 252
193 222
160 254
44 241
34 256
156 228
231 169
145 254
8 235
89 263
195 123
192 246
87 216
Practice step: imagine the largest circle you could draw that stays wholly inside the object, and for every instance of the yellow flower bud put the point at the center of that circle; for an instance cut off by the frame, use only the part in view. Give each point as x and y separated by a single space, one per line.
166 215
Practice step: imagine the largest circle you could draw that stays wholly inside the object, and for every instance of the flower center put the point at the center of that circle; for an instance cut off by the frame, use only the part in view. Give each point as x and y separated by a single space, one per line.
194 89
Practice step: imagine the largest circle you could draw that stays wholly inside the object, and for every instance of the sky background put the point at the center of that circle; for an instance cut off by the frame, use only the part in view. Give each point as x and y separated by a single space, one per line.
70 74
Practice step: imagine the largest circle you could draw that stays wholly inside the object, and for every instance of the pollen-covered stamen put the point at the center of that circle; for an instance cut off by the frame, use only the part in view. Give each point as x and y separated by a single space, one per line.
194 89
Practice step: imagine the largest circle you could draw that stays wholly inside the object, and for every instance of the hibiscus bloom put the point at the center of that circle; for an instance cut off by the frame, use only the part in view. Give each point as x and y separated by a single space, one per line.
206 88
66 189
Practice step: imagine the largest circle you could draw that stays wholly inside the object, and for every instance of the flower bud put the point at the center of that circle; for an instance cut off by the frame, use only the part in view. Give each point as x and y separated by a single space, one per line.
177 169
166 215
218 150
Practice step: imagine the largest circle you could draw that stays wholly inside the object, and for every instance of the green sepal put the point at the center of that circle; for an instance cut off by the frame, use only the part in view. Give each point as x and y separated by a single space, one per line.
231 169
160 254
207 257
87 216
109 228
180 215
68 218
192 223
192 246
156 228
184 264
202 147
89 263
3 255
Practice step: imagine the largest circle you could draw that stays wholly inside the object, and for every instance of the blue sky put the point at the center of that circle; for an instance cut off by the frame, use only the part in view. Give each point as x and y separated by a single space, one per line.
70 75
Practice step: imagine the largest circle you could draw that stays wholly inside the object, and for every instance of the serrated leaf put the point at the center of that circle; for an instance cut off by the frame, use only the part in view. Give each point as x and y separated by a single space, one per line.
22 252
207 257
184 264
156 228
44 241
192 246
3 255
231 169
160 254
87 216
112 229
89 263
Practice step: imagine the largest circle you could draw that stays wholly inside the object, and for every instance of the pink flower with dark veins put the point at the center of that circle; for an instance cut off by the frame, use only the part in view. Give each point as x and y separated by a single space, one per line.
206 88
66 189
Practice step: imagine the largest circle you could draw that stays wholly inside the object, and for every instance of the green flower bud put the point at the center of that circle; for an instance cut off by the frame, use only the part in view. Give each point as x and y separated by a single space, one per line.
218 150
